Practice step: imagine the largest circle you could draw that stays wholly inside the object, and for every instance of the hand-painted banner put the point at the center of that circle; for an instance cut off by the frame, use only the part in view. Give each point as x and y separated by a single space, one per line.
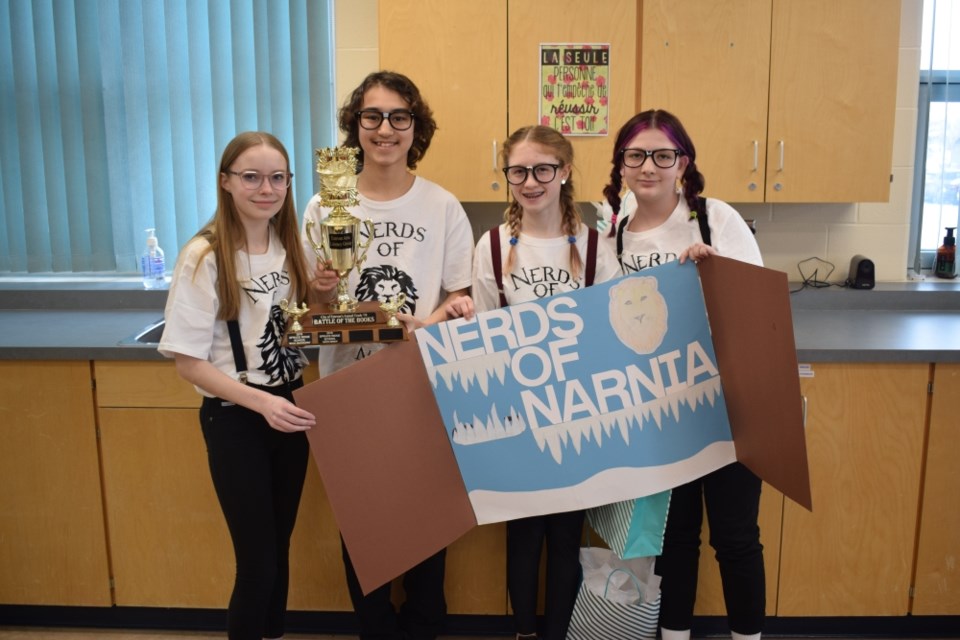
574 88
581 400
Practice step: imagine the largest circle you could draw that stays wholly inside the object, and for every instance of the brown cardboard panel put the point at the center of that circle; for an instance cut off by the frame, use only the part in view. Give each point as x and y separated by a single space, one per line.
748 308
386 463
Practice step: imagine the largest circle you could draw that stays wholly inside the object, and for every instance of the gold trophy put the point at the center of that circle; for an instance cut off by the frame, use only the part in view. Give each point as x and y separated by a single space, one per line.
294 312
340 245
342 248
392 306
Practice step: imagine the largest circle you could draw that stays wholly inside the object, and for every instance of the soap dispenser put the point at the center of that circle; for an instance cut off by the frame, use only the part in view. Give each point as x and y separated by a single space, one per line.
946 264
152 265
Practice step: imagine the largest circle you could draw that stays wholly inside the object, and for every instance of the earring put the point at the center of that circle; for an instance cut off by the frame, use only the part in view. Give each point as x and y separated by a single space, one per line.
564 181
679 186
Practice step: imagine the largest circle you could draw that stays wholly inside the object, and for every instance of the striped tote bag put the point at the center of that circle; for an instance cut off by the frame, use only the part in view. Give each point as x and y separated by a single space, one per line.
618 599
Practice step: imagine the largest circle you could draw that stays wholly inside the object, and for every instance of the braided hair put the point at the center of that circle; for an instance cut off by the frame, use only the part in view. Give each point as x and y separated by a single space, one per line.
692 180
555 143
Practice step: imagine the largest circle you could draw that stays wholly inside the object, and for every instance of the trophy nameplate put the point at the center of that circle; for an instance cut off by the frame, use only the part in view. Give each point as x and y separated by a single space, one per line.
341 246
368 322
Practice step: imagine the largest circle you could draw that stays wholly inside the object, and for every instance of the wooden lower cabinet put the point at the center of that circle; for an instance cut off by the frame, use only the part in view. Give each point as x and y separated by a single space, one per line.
52 544
168 539
853 555
937 583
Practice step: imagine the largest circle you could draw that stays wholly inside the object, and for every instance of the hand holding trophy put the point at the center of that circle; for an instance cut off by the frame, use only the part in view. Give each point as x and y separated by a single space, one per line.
338 243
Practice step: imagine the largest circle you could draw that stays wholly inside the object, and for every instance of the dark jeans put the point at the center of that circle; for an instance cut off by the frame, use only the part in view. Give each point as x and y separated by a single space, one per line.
258 473
525 537
732 498
423 611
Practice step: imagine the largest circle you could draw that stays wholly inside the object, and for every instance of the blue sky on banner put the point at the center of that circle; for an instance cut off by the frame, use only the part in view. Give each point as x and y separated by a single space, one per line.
552 404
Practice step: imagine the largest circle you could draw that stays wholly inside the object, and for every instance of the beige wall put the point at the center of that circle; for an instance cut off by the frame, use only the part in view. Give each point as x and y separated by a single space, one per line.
787 233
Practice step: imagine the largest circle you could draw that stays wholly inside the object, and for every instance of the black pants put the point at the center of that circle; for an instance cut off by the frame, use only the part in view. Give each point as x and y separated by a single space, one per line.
423 611
525 537
258 473
732 498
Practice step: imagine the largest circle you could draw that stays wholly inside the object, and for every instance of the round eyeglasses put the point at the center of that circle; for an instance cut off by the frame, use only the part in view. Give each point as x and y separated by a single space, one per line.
371 119
542 173
254 179
663 158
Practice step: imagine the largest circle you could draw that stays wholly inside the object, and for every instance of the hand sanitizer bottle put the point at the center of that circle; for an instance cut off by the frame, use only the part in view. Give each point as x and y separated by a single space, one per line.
152 265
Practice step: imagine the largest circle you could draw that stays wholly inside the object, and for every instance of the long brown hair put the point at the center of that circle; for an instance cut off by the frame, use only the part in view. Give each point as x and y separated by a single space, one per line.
553 141
226 235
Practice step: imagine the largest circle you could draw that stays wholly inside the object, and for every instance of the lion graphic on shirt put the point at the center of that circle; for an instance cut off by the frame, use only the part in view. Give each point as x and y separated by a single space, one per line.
638 313
384 283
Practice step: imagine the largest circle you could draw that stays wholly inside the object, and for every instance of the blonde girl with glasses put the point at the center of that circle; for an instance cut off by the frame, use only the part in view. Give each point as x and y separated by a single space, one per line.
224 327
654 158
543 248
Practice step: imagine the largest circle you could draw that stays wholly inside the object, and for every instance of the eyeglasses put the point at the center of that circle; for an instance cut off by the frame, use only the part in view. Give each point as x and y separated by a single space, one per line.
253 179
542 173
371 119
663 158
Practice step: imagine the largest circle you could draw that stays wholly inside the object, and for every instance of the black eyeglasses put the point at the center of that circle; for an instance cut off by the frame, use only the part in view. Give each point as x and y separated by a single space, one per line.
371 119
663 158
254 179
542 173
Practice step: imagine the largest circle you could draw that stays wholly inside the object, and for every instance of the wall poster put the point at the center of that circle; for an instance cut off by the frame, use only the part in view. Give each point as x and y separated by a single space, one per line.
574 88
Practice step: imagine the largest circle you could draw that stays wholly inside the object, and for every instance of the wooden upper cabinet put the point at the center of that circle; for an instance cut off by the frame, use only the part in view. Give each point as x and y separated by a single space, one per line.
786 101
612 22
456 53
469 71
833 85
709 66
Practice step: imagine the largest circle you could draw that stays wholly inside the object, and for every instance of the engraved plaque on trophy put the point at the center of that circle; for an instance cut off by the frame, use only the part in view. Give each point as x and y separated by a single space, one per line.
337 241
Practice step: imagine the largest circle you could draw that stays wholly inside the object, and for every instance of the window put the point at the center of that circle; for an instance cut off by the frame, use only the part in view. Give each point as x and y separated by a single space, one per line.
113 116
937 181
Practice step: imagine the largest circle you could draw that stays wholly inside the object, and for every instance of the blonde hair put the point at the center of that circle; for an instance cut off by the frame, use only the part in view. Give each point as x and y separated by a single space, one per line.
559 146
225 233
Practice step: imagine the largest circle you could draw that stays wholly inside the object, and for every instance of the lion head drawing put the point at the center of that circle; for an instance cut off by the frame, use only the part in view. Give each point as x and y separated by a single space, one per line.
638 313
383 283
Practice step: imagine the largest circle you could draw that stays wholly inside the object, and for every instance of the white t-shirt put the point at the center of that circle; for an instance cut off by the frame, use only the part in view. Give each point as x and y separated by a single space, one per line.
541 268
192 327
422 246
729 235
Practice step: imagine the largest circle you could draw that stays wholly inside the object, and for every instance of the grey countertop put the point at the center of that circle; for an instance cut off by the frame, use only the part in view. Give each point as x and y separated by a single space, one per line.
895 322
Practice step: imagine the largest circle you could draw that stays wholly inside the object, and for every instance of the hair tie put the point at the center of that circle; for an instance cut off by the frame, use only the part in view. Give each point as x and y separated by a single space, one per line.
613 219
513 241
572 239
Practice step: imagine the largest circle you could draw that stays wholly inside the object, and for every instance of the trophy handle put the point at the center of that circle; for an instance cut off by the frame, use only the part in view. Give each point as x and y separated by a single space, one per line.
366 245
319 249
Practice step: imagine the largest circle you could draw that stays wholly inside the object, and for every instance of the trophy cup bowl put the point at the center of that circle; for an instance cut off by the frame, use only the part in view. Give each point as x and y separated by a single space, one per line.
341 246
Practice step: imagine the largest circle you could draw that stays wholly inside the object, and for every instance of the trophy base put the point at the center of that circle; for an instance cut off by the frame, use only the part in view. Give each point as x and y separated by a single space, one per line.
323 326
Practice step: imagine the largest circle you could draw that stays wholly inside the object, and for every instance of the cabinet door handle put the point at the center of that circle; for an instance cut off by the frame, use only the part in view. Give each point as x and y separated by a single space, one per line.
804 400
781 155
494 156
756 155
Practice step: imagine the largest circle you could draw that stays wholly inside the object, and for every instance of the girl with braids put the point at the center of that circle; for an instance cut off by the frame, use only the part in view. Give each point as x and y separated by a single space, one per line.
656 160
547 250
223 328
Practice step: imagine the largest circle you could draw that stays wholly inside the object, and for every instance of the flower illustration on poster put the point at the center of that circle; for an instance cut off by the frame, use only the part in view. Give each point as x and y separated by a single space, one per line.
574 88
